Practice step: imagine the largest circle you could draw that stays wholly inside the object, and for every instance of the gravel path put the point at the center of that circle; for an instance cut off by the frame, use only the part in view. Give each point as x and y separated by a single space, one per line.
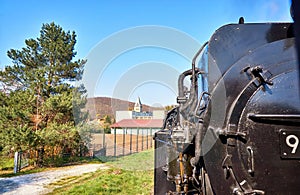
36 183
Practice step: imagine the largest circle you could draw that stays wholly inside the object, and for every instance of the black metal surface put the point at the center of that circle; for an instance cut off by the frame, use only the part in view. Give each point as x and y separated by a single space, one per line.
289 144
281 119
251 125
295 8
273 173
231 42
278 58
162 185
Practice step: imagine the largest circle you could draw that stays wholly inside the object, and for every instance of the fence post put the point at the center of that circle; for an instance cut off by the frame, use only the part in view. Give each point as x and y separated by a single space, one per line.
19 160
115 141
103 143
16 162
130 141
151 139
147 138
137 140
142 139
124 130
103 139
94 150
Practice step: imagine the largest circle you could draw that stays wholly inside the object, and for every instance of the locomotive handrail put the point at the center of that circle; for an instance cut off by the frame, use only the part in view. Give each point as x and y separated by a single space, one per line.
192 101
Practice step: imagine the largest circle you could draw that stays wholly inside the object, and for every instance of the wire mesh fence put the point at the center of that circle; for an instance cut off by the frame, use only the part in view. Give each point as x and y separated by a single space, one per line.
21 160
120 144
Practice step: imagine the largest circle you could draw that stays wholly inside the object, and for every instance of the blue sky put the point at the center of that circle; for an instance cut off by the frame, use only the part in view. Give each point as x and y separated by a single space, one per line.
97 22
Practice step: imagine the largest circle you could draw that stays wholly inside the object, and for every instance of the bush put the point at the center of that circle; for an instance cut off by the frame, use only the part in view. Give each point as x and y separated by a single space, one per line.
6 163
107 131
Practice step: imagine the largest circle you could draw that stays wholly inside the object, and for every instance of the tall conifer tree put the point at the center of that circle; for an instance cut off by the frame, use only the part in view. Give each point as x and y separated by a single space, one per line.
40 105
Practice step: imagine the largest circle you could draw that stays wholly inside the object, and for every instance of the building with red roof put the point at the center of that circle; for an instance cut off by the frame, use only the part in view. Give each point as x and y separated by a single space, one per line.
137 126
138 113
137 121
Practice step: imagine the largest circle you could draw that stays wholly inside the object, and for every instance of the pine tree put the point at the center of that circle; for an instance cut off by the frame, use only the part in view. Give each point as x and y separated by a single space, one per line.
15 131
41 106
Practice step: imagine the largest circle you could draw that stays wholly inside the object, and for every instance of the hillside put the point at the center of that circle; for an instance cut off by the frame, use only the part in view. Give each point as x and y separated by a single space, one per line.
108 106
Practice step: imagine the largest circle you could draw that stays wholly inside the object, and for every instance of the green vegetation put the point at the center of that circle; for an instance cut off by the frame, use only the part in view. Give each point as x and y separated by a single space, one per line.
112 181
105 122
26 171
124 177
41 115
40 110
170 107
139 161
6 163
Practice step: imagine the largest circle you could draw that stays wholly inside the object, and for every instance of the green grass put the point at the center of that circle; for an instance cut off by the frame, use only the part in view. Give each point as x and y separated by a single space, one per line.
128 175
73 160
65 181
23 172
131 174
112 181
139 161
6 163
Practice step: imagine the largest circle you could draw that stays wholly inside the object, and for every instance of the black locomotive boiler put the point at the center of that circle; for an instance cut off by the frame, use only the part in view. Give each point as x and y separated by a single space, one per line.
236 129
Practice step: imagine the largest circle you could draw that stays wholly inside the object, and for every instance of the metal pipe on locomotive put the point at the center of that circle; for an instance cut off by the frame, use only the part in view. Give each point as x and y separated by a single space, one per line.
236 128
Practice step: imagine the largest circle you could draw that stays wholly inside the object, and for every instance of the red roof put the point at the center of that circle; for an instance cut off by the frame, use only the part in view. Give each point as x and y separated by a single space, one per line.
146 123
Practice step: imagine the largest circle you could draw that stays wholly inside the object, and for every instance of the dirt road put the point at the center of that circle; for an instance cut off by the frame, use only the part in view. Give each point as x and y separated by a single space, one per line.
36 183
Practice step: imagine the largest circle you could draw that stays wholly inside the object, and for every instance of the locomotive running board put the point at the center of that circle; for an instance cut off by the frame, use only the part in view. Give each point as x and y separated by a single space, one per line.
277 119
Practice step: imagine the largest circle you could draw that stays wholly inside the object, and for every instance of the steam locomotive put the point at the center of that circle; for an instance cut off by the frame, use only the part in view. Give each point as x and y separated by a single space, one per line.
236 128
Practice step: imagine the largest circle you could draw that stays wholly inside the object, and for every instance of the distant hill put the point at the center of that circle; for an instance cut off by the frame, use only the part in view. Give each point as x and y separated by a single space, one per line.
108 106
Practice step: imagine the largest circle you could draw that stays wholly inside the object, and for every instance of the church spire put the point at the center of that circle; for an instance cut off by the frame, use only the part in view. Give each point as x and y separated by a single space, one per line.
138 105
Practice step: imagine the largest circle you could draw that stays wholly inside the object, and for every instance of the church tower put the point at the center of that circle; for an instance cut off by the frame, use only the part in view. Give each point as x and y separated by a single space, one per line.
138 105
